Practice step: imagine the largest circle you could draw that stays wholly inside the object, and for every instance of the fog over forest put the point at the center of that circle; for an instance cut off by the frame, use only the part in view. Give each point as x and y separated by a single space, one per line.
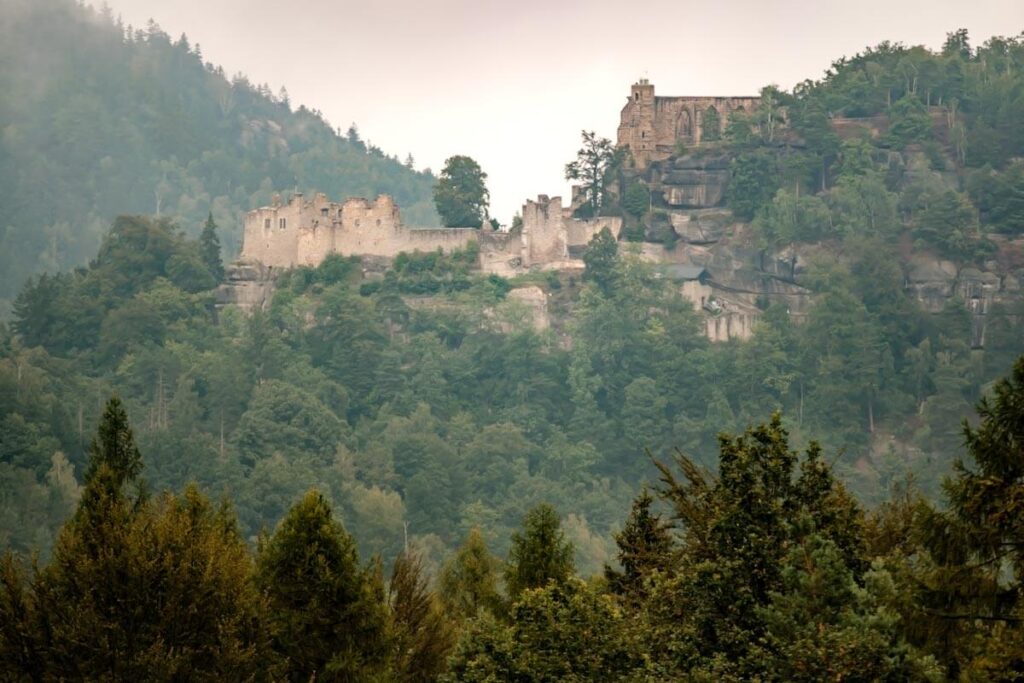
280 402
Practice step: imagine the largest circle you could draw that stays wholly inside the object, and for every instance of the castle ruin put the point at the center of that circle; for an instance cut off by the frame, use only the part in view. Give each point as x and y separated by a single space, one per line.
303 232
651 127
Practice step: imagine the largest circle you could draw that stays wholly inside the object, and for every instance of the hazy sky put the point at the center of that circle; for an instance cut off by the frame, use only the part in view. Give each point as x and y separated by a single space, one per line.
512 83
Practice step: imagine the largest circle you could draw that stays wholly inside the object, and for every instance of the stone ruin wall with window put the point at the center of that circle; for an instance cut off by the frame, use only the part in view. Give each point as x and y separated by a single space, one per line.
303 232
651 127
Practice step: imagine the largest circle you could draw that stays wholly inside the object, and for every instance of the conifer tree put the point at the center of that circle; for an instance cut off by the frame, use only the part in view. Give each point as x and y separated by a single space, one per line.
469 581
137 589
645 546
540 554
821 625
565 631
420 631
327 615
978 543
735 531
209 247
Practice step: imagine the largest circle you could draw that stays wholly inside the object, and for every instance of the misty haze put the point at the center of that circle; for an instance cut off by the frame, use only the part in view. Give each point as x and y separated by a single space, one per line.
478 342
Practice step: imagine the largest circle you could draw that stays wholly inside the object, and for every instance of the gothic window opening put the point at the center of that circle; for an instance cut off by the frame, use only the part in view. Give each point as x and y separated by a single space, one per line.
266 224
282 223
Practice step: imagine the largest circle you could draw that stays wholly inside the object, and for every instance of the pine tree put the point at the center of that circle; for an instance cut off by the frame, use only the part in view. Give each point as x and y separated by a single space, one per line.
422 636
540 554
822 626
469 581
735 531
327 612
978 543
566 631
645 546
137 589
209 247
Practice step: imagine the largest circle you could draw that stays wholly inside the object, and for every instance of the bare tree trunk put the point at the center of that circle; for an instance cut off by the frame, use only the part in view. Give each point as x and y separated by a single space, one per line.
800 412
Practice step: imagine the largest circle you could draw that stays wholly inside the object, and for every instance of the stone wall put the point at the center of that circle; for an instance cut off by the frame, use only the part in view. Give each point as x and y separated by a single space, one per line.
551 236
304 232
650 126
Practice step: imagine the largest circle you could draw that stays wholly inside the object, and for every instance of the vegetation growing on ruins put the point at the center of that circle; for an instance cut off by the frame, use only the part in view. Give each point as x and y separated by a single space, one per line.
461 195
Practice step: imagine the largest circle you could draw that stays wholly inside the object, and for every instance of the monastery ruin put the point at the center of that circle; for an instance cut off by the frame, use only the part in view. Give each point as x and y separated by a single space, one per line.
653 128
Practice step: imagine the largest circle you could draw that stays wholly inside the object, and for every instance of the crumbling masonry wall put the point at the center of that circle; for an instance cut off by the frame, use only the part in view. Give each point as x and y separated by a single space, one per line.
304 232
650 126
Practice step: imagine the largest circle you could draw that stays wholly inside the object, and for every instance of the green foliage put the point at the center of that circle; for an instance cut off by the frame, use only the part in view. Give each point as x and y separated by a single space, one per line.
136 589
468 581
284 419
862 205
539 555
948 221
326 616
420 631
710 125
908 121
735 532
637 199
822 625
601 259
461 195
977 542
209 248
435 272
98 134
789 218
565 632
595 164
753 184
644 547
1000 196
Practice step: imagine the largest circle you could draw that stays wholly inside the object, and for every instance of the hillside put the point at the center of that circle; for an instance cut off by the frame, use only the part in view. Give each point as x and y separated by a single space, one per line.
100 119
671 501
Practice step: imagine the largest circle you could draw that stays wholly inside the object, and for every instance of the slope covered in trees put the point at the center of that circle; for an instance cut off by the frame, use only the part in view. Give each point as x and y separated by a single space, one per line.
101 119
767 570
434 420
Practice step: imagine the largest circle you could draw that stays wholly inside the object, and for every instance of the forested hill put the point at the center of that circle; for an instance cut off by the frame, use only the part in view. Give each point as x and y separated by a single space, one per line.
99 119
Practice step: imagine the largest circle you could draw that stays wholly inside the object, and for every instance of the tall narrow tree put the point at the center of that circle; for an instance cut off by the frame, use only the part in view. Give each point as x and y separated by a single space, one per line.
209 247
540 554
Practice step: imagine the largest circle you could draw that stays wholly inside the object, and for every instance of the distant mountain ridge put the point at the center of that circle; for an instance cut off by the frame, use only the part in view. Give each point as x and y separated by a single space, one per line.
99 119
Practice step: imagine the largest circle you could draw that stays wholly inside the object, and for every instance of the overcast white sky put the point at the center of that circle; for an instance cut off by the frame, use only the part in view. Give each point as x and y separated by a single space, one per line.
512 83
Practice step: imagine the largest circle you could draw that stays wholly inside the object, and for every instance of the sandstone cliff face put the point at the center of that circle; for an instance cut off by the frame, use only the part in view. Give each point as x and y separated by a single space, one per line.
248 285
703 226
692 182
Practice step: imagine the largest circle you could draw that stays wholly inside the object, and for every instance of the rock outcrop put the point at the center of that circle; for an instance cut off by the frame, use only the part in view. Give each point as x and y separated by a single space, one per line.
691 182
